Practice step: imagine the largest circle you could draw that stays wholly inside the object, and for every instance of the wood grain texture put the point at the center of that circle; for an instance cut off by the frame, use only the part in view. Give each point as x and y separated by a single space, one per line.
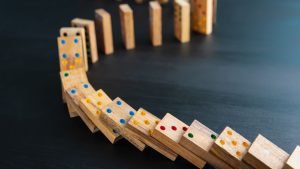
127 26
202 16
182 20
155 12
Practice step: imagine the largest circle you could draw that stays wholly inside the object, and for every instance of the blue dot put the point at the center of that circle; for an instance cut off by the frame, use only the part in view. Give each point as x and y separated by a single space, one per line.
73 91
119 102
64 55
108 110
131 113
77 55
76 40
85 86
122 121
63 42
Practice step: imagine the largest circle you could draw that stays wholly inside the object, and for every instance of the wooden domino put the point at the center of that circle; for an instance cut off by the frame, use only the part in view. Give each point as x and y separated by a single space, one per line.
202 16
169 131
155 23
263 154
142 124
70 53
231 147
70 31
127 26
104 31
91 42
182 20
199 139
116 114
215 10
92 105
293 162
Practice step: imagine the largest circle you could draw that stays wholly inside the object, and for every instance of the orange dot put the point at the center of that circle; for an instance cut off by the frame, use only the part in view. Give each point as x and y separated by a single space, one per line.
157 121
78 60
222 142
88 100
143 113
135 122
98 112
64 62
99 103
99 94
234 143
238 153
71 66
150 131
246 145
229 132
147 122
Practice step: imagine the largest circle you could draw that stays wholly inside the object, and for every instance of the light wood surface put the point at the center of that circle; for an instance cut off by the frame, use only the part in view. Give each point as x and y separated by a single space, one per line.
182 20
155 12
127 26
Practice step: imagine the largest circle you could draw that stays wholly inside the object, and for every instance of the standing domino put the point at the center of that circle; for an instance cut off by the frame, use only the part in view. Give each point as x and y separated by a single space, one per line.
155 23
293 162
127 26
202 16
182 20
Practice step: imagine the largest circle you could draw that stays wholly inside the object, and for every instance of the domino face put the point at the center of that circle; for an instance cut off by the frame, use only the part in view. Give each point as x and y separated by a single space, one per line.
70 53
266 155
117 114
92 105
70 31
80 91
127 26
169 132
231 147
155 23
91 42
182 20
202 16
294 160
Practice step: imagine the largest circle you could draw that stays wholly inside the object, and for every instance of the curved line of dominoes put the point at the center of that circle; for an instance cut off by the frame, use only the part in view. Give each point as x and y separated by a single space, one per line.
169 136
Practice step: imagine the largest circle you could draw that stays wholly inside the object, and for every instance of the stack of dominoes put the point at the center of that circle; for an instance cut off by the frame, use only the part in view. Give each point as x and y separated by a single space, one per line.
169 136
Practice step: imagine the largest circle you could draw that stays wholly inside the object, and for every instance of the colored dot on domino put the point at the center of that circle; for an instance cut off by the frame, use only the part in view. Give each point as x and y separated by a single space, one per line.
222 142
122 121
88 100
118 102
66 74
238 153
72 66
64 62
99 94
85 86
77 55
184 128
64 55
99 103
214 137
108 110
234 143
147 122
162 127
77 60
75 40
246 145
97 112
131 113
174 128
73 91
157 121
135 122
63 42
229 132
150 131
143 113
190 135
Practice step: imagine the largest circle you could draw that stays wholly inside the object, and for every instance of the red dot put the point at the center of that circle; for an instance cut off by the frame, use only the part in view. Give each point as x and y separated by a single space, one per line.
184 128
162 128
174 128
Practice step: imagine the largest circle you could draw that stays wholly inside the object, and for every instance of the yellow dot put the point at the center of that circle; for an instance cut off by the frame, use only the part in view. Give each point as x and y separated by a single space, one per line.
135 122
157 121
143 113
238 153
229 132
88 100
234 143
99 103
246 145
72 67
147 122
64 62
222 142
77 60
99 94
98 112
150 131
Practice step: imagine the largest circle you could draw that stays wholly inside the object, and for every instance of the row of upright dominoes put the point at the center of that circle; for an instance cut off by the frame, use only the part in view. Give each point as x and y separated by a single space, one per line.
88 33
169 136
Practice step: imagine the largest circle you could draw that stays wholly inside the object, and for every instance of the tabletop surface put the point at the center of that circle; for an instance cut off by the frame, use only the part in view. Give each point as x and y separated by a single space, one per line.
245 75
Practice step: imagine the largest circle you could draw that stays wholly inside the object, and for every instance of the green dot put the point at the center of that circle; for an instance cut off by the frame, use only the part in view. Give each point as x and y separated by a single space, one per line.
190 135
214 137
66 74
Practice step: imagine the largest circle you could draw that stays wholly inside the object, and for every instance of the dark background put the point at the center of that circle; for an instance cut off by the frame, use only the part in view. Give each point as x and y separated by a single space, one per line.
245 75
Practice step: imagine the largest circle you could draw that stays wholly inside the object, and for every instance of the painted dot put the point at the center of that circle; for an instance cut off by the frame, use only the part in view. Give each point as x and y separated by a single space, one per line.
135 122
214 137
162 127
233 142
222 142
147 122
63 42
88 100
229 132
108 110
85 86
238 153
73 91
143 113
157 121
77 55
131 113
99 103
174 128
64 62
184 128
190 135
122 121
64 56
75 40
118 102
150 131
245 144
66 74
71 66
77 60
97 112
99 94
